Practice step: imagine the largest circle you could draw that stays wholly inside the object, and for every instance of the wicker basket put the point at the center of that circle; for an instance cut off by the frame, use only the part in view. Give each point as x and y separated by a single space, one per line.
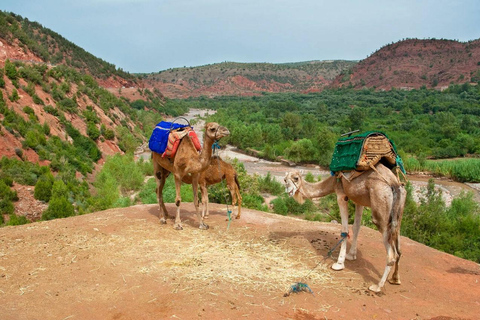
376 147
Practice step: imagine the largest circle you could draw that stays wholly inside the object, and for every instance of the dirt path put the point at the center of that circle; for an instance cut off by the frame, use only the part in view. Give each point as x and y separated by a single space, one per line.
122 264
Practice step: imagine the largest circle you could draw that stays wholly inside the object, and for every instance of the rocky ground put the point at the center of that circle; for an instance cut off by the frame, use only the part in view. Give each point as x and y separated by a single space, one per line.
122 264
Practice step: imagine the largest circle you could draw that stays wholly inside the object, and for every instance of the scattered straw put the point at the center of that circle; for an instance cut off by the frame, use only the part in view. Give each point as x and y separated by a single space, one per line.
197 260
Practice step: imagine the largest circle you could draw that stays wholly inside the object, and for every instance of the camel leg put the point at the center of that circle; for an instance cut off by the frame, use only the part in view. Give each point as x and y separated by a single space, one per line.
396 238
390 262
239 202
343 205
352 254
204 192
203 225
161 175
395 277
233 193
178 201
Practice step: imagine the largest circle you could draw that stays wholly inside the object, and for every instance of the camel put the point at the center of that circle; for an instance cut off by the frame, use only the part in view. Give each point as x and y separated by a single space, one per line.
217 171
186 161
378 189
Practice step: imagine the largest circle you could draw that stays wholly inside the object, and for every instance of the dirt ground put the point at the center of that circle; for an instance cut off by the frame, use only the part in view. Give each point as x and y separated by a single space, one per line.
122 264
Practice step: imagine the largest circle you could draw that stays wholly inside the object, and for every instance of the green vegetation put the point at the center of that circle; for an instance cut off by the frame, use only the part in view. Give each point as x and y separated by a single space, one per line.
463 170
305 127
454 229
53 48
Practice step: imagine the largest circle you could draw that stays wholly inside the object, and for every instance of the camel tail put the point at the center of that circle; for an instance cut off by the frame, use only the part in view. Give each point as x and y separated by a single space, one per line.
396 213
236 181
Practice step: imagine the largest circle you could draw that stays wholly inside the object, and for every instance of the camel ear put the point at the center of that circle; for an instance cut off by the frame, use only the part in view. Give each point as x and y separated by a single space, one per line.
302 172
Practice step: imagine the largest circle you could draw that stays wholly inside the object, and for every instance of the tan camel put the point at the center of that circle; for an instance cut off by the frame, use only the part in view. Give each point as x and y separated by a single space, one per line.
217 171
186 161
380 190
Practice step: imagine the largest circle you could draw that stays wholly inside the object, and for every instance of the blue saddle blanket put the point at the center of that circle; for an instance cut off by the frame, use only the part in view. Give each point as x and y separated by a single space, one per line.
159 138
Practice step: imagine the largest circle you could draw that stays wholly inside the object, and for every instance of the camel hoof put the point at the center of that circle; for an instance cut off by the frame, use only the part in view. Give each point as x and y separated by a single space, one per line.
375 288
395 281
178 227
204 226
237 217
338 266
351 257
163 221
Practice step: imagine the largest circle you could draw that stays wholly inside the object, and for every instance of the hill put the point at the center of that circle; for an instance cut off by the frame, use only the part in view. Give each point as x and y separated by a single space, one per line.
122 264
413 63
49 87
245 79
27 40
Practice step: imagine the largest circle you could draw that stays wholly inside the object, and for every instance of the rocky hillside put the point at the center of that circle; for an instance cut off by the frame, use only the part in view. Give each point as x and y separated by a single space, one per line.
415 63
25 40
50 87
230 78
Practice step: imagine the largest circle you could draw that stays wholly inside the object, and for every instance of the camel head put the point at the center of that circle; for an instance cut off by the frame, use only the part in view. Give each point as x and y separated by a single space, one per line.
293 182
214 131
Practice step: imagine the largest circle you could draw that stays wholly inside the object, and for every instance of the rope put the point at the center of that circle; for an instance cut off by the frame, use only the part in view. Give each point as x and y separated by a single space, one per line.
302 286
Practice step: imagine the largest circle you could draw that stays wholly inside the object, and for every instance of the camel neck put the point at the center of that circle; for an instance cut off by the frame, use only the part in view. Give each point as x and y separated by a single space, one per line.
206 153
318 189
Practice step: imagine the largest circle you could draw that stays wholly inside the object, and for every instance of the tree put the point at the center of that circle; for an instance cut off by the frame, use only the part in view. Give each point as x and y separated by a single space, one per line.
291 125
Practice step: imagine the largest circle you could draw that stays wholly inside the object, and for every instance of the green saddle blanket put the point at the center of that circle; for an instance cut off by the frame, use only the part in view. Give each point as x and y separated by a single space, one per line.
361 151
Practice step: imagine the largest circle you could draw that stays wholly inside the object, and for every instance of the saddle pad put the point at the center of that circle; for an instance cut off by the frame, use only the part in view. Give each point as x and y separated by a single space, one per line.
159 138
360 151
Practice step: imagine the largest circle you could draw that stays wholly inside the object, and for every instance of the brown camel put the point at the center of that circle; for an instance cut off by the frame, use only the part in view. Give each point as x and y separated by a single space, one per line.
380 190
217 171
186 161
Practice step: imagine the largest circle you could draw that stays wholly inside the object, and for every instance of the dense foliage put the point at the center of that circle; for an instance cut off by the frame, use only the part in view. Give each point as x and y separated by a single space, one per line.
305 127
454 229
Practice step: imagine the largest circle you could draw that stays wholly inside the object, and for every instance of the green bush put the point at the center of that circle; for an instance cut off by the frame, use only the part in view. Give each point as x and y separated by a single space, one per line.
59 206
454 229
148 194
270 185
10 70
14 96
43 187
92 131
285 205
16 220
279 206
6 207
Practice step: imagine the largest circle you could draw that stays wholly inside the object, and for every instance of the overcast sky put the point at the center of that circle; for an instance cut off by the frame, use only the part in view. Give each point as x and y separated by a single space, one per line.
155 35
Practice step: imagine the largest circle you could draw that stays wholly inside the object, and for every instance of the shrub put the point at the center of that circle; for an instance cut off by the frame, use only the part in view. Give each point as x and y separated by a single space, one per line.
148 194
59 206
6 193
92 131
67 104
279 206
43 187
11 70
270 185
16 220
6 207
14 96
454 229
